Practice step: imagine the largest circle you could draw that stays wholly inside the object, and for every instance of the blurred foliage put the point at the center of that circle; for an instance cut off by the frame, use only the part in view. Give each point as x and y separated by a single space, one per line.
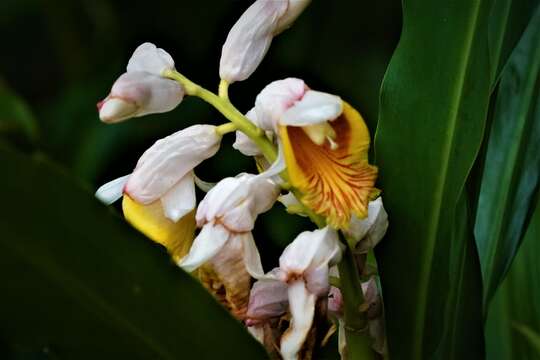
513 321
82 284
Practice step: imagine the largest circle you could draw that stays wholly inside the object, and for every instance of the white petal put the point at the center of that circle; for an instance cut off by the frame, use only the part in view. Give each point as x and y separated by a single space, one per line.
317 280
294 10
310 250
368 232
113 110
302 307
227 194
206 245
314 108
169 159
112 191
179 200
148 58
277 167
275 99
252 259
244 143
249 39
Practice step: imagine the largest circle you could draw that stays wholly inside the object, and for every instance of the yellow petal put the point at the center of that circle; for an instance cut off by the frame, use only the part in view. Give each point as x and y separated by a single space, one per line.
336 181
151 221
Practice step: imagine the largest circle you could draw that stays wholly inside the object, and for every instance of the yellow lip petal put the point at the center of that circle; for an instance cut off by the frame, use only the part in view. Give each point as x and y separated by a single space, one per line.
151 221
336 181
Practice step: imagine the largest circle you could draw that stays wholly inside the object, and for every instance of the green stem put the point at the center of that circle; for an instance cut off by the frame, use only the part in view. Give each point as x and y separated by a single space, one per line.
224 106
226 128
356 322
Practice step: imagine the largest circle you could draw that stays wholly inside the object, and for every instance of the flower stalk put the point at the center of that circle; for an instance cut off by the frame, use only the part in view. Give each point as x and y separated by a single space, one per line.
356 328
224 106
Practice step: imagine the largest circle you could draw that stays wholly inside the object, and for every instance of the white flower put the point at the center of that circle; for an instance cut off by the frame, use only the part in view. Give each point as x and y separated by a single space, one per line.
249 39
368 232
304 268
164 171
142 90
227 215
225 243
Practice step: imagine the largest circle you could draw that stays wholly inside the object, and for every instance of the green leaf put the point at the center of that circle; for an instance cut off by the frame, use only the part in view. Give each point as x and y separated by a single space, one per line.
511 171
514 312
434 102
507 21
79 283
531 335
16 120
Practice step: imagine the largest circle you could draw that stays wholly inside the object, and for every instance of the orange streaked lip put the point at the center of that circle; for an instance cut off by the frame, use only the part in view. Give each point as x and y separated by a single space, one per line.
334 183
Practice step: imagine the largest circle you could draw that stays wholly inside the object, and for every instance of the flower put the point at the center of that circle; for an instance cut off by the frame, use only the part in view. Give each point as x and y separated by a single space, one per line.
250 37
225 243
304 268
325 145
141 90
159 196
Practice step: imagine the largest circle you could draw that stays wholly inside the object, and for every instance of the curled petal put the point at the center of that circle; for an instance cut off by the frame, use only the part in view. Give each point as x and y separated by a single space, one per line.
275 99
302 308
169 160
315 107
310 251
151 221
368 232
112 191
151 59
268 299
180 199
206 245
249 39
243 143
236 202
252 258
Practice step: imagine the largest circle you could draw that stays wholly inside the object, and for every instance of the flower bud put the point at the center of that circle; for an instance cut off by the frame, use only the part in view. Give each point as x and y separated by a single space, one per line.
136 94
249 39
142 90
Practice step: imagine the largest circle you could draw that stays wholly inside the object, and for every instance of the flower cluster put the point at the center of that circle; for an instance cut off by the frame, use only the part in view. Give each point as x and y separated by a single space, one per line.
312 151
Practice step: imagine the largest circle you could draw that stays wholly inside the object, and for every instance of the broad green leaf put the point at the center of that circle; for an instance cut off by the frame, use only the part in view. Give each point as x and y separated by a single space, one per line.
16 119
434 102
511 171
78 283
507 21
513 320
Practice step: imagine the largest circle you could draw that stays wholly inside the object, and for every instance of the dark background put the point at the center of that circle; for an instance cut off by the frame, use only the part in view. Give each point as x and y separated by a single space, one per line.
63 56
